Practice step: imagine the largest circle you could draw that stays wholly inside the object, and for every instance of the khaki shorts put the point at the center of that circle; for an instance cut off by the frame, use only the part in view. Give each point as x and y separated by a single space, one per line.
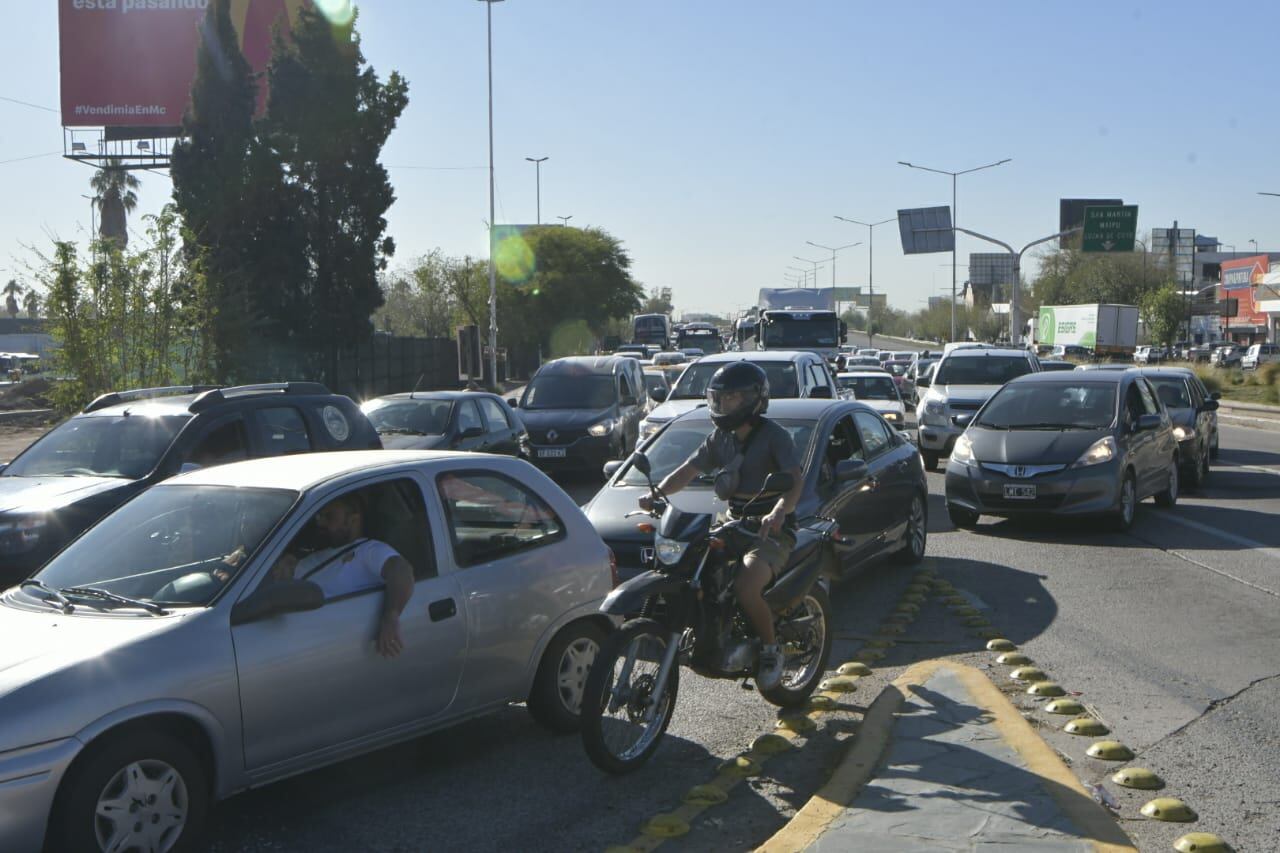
772 552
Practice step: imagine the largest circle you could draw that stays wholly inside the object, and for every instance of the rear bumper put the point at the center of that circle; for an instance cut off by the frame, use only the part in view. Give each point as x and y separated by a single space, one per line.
1074 491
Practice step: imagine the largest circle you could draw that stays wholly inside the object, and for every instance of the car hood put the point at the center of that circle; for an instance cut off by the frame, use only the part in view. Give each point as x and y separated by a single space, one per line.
541 419
37 493
1032 446
674 409
966 393
400 441
607 510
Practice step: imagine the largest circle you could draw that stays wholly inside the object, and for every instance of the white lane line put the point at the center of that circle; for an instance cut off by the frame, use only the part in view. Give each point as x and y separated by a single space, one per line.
1260 548
1257 468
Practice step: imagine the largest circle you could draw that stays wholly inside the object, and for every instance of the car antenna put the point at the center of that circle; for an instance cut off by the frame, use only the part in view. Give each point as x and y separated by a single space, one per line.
416 384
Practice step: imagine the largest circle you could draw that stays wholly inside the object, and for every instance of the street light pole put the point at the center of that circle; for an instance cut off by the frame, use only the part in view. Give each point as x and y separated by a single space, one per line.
871 271
833 255
954 220
816 264
493 270
537 168
564 220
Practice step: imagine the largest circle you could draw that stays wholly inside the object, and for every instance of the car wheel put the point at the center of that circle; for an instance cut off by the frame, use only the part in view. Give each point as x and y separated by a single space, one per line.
1169 497
930 459
916 536
1213 450
142 790
556 698
961 517
1204 469
1195 473
1126 503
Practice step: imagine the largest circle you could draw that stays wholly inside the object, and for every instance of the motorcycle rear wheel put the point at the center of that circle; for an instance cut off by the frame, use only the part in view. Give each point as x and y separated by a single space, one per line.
806 647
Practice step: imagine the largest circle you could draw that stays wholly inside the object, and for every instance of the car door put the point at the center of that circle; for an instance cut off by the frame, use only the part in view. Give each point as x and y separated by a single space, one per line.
884 478
1164 447
468 427
508 544
847 502
313 683
498 429
630 387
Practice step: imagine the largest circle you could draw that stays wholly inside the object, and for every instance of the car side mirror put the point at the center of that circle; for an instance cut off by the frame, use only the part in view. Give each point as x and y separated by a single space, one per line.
820 392
1215 395
513 402
1147 422
1206 406
922 381
611 467
472 432
961 420
779 481
658 395
640 462
850 470
275 598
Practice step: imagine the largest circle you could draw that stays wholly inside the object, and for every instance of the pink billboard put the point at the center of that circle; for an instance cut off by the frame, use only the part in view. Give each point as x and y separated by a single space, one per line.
130 63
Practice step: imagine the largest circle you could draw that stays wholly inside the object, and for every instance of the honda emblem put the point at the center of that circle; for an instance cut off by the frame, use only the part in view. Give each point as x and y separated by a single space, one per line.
1019 470
552 435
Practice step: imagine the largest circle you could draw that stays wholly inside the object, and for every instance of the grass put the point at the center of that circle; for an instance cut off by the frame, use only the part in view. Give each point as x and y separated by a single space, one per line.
1254 386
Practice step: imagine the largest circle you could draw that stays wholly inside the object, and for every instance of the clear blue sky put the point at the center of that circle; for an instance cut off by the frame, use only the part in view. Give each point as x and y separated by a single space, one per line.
716 137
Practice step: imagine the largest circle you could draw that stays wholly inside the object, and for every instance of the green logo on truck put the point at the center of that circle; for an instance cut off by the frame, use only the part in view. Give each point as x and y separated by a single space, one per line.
1047 326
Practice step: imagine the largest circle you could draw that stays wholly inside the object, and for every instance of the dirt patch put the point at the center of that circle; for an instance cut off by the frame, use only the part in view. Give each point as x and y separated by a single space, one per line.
27 394
14 439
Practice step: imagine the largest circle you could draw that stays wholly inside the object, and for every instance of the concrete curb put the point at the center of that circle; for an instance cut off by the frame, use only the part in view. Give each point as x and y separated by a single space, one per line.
858 766
24 413
1231 407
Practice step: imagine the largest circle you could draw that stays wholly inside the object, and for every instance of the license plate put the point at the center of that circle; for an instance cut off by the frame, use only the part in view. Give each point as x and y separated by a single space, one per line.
1020 493
551 453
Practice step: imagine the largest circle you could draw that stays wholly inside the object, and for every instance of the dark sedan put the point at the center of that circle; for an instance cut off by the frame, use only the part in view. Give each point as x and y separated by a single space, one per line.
447 420
1194 415
1077 443
857 469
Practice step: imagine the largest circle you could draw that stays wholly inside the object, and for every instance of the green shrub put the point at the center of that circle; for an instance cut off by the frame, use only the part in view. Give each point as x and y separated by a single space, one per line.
1210 377
1270 373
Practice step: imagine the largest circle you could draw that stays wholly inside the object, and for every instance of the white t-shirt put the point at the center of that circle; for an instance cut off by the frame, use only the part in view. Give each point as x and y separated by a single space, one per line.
358 568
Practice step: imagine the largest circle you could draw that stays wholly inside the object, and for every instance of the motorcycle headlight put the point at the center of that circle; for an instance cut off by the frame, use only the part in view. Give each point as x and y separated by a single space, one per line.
962 452
1182 433
1102 450
669 551
602 428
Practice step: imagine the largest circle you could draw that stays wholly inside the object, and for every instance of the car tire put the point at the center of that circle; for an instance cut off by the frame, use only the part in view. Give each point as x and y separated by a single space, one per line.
1126 503
930 458
961 517
1204 469
555 700
1168 498
916 536
132 757
1213 450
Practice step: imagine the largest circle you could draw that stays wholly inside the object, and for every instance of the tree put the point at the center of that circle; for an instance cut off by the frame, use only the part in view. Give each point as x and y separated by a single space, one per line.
1073 277
31 303
1163 313
11 291
659 302
114 193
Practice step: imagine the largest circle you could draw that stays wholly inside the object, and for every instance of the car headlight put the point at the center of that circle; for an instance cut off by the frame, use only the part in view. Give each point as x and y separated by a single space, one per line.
648 427
1182 433
602 428
962 452
19 534
1102 450
669 551
892 416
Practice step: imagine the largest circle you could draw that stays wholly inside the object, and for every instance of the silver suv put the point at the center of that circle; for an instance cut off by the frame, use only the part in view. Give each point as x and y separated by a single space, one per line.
961 383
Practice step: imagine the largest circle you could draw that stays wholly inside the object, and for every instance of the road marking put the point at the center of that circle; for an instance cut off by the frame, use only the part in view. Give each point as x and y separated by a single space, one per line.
1252 545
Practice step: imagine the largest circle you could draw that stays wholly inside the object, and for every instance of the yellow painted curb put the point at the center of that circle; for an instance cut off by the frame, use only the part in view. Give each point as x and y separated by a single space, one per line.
860 761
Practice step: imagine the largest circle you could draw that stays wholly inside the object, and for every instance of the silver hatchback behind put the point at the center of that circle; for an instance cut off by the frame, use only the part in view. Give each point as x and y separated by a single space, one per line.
247 622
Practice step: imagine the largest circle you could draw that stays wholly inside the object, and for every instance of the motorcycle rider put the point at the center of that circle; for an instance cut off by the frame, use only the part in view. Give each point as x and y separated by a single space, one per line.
743 450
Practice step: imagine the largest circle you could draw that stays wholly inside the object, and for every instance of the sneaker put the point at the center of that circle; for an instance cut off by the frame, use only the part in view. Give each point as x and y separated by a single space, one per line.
769 667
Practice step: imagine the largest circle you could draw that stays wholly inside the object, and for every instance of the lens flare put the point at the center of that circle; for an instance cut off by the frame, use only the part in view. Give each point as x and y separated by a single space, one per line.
514 258
338 12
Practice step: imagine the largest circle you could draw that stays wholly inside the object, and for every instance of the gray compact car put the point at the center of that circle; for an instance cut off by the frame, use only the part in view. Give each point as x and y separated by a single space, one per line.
229 627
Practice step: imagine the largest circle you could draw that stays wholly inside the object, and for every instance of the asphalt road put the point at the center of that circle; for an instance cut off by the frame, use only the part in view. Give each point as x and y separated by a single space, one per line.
1169 633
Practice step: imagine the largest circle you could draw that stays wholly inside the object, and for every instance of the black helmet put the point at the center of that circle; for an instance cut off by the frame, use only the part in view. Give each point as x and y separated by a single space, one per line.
736 393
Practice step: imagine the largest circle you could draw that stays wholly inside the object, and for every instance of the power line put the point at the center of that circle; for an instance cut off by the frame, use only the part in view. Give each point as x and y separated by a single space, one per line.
28 104
30 157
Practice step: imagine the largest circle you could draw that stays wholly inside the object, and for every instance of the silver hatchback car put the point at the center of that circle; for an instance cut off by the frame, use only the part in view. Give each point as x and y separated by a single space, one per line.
248 622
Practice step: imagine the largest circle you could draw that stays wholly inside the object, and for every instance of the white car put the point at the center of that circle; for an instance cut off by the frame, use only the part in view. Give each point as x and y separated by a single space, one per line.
1258 355
876 389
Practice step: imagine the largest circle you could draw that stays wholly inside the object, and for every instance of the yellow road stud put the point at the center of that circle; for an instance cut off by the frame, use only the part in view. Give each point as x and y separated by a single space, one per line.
1169 808
1013 659
1138 777
796 723
1000 644
665 826
956 601
907 607
869 655
853 667
1065 706
1046 688
741 766
902 617
1200 842
840 684
709 795
821 703
772 744
891 629
1110 750
913 597
964 610
1087 727
1028 673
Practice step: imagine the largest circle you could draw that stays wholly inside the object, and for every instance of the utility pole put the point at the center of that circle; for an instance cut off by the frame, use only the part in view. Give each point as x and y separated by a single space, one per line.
537 168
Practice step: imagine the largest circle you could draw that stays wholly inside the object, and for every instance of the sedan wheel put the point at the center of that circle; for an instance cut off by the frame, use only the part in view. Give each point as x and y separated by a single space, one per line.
556 698
1169 496
1128 503
916 535
144 806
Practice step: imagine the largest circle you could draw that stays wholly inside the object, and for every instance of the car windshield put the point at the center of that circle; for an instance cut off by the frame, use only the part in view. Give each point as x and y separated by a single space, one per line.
1173 392
421 417
675 444
981 369
125 446
1051 405
167 544
871 387
800 333
705 340
693 382
569 391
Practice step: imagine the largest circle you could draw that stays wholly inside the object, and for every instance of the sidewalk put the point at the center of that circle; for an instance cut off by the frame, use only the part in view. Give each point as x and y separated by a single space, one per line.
944 762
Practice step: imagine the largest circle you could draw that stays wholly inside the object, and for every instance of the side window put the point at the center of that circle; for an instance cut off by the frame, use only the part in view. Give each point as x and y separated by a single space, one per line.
468 416
494 414
226 443
491 516
872 433
625 388
1148 399
347 543
1133 405
844 442
282 430
1197 400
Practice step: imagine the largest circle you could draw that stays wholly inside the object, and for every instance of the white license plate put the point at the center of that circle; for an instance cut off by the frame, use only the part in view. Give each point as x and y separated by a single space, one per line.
1020 493
551 453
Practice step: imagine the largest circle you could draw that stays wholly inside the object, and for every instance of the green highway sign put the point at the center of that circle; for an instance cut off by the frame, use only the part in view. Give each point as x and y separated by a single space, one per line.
1110 229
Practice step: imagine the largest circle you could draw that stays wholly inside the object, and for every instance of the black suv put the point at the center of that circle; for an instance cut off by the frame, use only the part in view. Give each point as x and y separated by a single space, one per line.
127 441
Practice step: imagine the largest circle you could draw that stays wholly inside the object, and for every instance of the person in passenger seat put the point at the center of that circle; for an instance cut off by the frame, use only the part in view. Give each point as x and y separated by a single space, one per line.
352 562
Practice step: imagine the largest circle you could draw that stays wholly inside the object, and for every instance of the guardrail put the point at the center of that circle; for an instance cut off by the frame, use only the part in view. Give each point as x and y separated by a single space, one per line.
1253 415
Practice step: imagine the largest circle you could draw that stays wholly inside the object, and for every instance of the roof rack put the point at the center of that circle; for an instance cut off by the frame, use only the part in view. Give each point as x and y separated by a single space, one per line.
214 396
115 398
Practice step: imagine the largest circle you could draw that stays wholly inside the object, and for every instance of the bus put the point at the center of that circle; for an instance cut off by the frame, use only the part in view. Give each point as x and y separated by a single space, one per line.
651 329
703 336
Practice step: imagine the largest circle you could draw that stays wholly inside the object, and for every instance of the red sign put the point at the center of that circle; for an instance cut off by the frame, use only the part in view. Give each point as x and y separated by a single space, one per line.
130 63
1239 277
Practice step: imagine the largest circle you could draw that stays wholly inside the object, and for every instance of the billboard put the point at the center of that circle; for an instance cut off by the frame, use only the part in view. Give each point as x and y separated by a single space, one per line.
130 63
926 229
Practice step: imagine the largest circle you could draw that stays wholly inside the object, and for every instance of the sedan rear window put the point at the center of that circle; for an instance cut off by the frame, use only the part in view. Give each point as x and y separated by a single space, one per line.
981 369
126 446
414 417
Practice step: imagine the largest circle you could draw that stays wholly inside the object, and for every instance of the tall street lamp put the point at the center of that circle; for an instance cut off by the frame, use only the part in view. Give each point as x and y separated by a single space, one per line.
564 220
871 255
493 270
954 219
833 255
1255 246
537 168
804 275
816 264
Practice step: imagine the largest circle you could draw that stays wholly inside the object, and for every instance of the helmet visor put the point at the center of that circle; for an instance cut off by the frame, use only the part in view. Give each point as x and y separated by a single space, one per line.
730 402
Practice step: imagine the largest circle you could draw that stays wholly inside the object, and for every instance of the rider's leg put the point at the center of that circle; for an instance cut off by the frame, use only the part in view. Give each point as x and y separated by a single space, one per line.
753 577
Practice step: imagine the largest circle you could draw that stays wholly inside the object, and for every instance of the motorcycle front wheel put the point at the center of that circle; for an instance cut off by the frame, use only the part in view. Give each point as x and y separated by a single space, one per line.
622 720
805 635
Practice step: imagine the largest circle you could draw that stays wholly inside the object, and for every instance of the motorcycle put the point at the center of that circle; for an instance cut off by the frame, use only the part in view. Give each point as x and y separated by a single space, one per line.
684 611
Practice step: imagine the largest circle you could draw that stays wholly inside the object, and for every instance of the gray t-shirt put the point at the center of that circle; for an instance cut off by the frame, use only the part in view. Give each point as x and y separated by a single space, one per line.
766 452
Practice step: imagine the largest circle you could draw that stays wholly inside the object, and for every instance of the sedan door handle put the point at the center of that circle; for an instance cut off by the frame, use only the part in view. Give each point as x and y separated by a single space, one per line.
443 609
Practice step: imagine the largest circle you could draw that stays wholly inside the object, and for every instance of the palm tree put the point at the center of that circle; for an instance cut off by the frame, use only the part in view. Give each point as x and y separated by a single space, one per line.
114 187
11 291
31 303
